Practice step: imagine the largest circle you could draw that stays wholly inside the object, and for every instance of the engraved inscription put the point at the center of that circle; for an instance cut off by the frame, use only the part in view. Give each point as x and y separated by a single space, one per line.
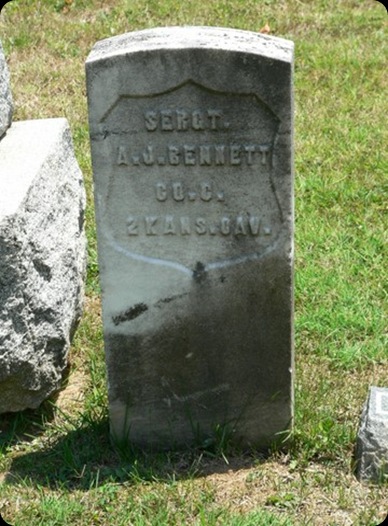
196 155
178 192
191 175
183 120
186 225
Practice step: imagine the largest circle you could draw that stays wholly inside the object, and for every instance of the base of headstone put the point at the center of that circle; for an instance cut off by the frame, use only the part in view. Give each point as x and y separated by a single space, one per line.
372 440
42 259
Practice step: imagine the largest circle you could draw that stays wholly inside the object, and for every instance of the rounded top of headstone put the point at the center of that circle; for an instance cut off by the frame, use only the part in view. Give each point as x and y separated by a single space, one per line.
194 37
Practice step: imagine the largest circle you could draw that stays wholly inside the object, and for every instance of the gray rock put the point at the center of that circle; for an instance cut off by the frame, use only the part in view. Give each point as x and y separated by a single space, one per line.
191 134
372 440
6 105
42 259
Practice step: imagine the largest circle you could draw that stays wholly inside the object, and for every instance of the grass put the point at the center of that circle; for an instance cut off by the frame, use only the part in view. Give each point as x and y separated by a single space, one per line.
57 465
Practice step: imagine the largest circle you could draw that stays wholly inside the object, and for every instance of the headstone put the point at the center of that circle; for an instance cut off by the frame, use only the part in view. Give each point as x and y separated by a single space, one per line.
6 105
191 135
42 259
372 440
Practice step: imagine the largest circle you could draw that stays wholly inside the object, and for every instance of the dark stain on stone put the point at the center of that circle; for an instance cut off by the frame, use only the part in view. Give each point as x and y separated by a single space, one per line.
130 314
199 272
169 299
165 300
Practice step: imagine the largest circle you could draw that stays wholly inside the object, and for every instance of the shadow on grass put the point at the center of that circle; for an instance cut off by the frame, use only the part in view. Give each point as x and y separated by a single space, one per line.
85 458
24 426
77 460
27 425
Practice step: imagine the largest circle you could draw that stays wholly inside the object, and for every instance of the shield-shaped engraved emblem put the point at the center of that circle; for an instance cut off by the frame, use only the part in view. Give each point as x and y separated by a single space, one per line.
191 179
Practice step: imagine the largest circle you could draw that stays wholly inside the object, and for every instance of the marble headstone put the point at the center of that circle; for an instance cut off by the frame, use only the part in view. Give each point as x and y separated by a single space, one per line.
192 147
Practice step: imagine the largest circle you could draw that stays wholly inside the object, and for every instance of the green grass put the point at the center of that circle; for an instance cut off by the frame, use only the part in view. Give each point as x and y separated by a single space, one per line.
57 464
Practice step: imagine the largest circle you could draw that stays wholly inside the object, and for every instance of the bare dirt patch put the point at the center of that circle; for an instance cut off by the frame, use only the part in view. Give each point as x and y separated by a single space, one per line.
72 396
318 495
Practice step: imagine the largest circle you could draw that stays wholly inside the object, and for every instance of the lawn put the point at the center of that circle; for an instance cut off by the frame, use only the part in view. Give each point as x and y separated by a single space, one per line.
57 465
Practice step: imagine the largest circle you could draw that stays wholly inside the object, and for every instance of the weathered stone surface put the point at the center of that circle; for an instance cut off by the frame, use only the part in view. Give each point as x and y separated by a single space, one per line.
372 439
42 259
191 135
6 105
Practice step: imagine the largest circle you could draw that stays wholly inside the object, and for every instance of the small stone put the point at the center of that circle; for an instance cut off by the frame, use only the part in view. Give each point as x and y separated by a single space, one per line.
372 440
